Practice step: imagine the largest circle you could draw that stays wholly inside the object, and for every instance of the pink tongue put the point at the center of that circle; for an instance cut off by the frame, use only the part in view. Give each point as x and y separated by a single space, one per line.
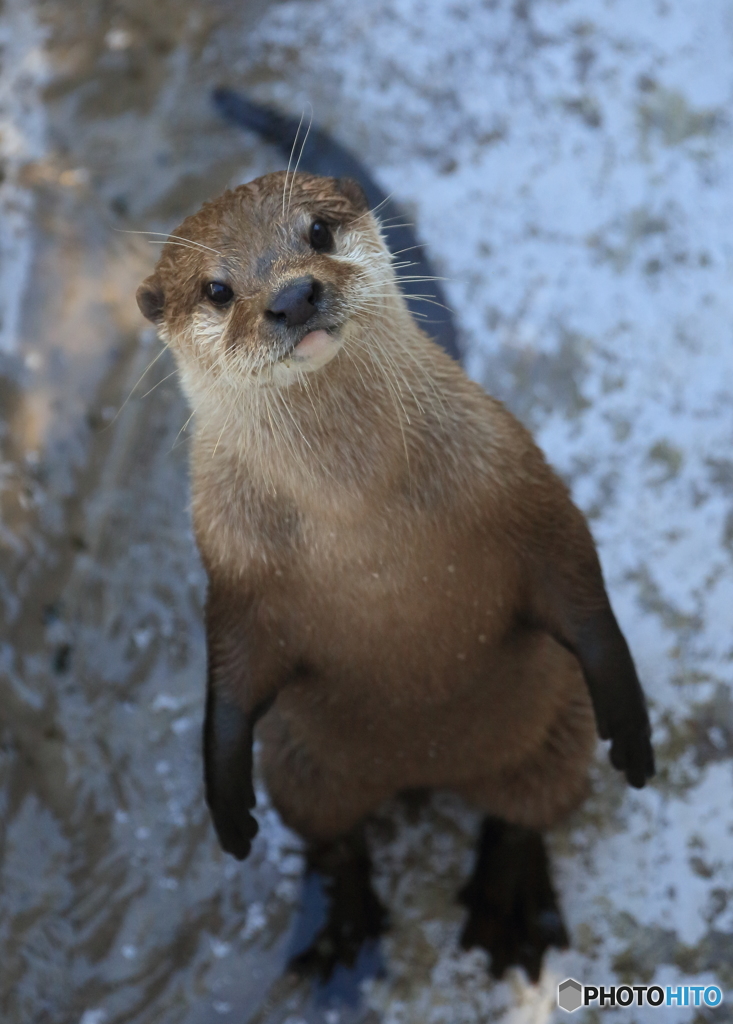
313 344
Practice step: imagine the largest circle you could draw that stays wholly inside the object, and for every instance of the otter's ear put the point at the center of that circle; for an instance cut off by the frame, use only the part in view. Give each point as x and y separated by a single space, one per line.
354 193
150 299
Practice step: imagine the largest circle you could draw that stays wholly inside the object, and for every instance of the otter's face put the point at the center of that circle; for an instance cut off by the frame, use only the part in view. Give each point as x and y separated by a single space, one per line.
262 283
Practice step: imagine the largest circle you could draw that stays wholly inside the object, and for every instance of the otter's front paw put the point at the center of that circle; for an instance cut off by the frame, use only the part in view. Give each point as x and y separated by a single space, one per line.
236 828
632 753
617 696
228 773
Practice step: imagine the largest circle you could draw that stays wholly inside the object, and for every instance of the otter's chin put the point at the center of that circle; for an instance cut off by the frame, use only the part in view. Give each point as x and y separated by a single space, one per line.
315 350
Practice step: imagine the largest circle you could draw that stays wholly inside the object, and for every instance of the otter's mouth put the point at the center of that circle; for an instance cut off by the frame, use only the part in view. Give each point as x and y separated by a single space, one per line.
314 349
309 353
313 345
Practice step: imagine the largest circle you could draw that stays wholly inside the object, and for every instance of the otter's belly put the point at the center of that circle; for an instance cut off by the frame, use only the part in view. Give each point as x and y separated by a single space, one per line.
425 719
409 669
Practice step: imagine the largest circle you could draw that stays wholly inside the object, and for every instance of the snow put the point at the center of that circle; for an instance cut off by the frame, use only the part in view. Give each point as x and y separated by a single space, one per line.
570 166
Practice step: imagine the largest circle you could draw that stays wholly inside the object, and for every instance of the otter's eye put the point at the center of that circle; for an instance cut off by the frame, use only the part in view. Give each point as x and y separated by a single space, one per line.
320 237
218 293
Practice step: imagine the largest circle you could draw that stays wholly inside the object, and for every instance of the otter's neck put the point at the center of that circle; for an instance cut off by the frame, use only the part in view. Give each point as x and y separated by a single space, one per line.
352 424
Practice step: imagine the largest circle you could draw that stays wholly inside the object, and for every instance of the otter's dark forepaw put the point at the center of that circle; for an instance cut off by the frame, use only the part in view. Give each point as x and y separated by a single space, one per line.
618 699
228 771
632 753
513 911
236 829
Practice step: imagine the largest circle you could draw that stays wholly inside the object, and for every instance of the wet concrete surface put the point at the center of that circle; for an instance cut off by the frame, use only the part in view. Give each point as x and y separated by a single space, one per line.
117 904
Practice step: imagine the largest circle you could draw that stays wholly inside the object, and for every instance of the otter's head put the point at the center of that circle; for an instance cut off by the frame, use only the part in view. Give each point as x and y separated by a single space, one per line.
267 281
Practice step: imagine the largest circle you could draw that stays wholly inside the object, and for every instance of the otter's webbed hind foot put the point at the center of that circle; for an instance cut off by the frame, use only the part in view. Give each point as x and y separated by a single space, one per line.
336 936
512 908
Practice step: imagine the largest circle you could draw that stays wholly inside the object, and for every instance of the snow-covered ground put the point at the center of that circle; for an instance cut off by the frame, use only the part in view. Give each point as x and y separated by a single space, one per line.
570 165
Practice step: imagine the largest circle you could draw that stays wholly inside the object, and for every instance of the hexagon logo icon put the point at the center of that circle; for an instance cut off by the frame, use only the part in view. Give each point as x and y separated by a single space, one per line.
569 995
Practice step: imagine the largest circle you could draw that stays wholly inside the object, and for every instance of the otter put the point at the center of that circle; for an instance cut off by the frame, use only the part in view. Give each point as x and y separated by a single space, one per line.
401 593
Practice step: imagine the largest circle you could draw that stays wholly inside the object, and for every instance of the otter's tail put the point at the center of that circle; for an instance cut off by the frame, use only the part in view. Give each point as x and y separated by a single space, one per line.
322 155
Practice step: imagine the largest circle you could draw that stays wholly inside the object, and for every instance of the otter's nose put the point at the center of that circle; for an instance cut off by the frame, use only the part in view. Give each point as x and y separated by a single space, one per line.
296 302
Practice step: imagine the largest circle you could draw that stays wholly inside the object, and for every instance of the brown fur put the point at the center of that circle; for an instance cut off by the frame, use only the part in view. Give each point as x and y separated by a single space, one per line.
390 557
